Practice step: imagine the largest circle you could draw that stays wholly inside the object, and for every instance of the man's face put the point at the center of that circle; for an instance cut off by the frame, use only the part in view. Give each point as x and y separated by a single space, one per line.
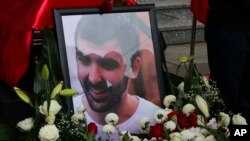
101 71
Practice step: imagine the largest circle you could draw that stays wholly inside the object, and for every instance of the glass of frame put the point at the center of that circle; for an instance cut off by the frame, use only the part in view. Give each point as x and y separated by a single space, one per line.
114 61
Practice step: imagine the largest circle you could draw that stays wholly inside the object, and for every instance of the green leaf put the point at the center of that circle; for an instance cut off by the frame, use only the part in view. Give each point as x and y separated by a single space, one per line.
7 131
51 54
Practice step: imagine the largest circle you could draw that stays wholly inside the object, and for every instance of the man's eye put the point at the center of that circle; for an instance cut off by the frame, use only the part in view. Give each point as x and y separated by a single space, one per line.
108 64
84 60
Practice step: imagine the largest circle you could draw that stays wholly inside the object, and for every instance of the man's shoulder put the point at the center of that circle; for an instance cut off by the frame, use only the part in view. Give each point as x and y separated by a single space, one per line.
146 105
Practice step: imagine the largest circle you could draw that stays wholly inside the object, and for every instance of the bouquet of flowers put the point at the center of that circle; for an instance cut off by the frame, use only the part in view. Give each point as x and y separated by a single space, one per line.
190 112
52 120
194 111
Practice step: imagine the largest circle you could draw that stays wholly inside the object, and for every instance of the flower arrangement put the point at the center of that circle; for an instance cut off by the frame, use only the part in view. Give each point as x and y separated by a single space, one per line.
190 112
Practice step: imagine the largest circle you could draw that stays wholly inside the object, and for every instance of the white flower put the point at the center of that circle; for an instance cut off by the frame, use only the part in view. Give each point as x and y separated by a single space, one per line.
108 129
111 118
212 123
187 135
175 139
167 111
200 120
144 125
210 138
199 138
239 120
77 117
81 109
168 100
175 136
202 105
188 109
160 115
53 109
204 132
26 124
50 119
48 133
170 125
122 133
206 82
180 87
224 119
196 131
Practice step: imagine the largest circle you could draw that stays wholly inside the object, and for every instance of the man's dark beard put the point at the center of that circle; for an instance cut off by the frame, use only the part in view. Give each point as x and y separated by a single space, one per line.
115 93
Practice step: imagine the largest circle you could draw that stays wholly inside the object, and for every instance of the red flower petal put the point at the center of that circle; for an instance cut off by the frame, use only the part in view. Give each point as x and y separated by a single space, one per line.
92 128
157 130
192 120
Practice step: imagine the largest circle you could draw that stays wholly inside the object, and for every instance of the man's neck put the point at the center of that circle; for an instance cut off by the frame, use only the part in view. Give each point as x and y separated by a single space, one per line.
124 110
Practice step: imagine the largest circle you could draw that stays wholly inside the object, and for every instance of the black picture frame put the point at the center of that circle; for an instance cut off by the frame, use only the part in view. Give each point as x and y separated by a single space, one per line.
65 29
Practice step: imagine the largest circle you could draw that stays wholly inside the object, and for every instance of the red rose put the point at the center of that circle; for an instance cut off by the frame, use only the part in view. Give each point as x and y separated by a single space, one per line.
187 122
107 6
171 114
157 130
192 120
92 128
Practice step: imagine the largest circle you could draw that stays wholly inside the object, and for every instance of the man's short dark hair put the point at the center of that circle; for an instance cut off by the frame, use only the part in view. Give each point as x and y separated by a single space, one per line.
101 28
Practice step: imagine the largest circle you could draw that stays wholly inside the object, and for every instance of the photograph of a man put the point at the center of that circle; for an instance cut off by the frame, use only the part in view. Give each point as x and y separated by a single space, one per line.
105 48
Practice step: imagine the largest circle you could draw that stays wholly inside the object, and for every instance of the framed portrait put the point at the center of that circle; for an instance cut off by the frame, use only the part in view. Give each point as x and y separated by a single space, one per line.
117 51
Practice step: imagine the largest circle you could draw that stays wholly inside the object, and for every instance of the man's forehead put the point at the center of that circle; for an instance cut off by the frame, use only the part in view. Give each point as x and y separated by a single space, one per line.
99 49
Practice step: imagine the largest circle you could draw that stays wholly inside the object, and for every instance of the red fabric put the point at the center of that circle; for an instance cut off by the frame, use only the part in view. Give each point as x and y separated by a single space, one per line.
15 33
46 17
17 18
199 9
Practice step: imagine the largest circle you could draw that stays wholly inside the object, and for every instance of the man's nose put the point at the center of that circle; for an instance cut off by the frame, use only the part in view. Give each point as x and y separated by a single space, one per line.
95 74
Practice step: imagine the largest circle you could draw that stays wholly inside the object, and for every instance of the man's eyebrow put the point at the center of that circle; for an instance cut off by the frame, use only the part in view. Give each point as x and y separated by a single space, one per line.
79 53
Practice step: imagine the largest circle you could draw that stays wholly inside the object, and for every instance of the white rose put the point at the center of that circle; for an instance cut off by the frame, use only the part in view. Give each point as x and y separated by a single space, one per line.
26 124
111 118
187 135
168 100
180 87
199 138
188 109
50 119
53 109
170 125
175 136
239 120
224 119
48 133
108 129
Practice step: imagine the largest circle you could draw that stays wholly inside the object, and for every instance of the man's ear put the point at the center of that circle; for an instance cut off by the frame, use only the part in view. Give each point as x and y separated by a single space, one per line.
136 66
